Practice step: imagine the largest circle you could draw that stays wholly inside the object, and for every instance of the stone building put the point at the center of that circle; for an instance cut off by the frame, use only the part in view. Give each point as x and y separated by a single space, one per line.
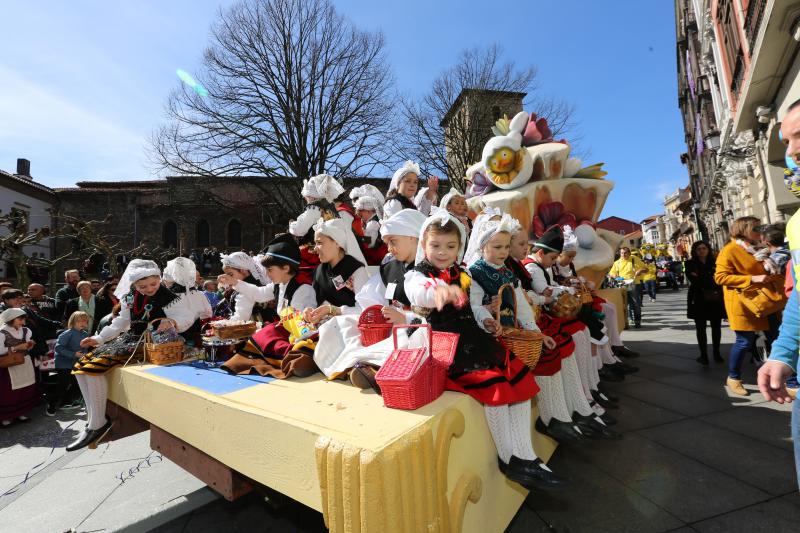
737 65
679 221
190 212
619 225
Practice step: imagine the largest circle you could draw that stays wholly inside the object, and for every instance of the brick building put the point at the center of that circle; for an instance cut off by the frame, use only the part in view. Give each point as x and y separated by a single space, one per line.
618 225
190 212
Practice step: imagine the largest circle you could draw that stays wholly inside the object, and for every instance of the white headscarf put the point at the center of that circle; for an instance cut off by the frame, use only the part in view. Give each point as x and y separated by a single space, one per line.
342 232
243 261
570 239
368 192
407 168
369 203
491 228
452 193
322 186
406 223
442 216
136 270
10 314
182 271
473 250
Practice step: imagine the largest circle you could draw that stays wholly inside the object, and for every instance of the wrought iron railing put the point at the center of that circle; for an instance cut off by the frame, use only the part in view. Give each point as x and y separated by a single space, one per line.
752 22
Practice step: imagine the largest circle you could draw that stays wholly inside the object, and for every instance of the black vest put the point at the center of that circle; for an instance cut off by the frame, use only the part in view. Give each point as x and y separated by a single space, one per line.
291 288
143 309
405 202
523 275
394 272
325 287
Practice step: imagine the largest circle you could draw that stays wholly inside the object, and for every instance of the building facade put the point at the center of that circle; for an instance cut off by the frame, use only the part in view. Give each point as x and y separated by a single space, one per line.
618 225
654 230
20 192
737 66
679 222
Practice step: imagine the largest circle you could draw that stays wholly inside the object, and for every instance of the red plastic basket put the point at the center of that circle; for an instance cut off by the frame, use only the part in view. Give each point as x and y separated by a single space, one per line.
411 377
373 326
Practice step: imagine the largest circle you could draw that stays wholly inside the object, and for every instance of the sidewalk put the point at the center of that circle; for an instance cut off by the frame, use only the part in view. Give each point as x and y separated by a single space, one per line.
692 459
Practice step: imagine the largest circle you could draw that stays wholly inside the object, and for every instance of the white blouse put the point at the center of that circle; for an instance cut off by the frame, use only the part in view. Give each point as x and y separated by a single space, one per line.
525 315
305 221
374 292
180 310
302 298
393 205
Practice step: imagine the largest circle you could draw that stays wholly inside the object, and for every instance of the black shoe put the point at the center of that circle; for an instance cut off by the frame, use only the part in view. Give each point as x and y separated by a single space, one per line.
623 368
718 358
609 375
593 428
608 419
602 389
561 431
530 474
50 411
583 424
603 400
703 360
638 325
623 351
88 436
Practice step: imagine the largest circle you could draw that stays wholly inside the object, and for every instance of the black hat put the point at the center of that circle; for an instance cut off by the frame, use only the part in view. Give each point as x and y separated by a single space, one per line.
551 240
284 247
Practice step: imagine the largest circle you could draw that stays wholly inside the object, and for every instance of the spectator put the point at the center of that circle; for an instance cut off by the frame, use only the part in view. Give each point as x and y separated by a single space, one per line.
5 285
89 304
737 268
68 291
96 285
631 269
18 390
650 279
41 328
68 351
210 292
704 302
775 241
106 298
42 303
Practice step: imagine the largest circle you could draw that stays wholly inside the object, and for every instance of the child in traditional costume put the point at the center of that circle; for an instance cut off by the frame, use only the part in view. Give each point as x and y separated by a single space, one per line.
404 191
482 368
456 205
340 349
282 262
18 390
180 276
369 209
143 298
241 267
319 193
562 388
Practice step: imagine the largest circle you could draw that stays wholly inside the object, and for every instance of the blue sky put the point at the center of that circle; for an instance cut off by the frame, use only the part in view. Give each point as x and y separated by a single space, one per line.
83 83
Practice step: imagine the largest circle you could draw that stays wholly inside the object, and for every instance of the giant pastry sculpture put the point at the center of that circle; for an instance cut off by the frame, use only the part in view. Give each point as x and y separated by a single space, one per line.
524 172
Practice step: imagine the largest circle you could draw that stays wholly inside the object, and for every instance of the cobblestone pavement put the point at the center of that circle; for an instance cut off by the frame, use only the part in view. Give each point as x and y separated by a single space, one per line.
693 458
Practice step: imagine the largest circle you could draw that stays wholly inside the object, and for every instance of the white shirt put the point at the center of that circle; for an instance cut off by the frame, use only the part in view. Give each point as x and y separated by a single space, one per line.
303 297
305 221
540 282
179 310
374 292
373 231
393 205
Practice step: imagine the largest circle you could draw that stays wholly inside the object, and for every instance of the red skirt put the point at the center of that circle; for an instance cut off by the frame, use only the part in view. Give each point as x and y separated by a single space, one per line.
561 330
16 403
511 383
270 342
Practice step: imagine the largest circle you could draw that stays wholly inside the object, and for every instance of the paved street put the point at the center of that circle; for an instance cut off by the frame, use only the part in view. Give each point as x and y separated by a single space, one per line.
692 459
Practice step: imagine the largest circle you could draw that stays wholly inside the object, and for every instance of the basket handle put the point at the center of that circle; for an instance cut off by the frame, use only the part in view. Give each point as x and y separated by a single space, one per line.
148 330
406 326
502 288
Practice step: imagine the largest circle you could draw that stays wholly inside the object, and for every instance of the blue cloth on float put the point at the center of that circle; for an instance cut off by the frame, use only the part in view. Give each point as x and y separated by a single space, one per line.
208 379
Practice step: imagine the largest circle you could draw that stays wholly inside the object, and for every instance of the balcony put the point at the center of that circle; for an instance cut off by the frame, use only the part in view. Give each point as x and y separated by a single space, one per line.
752 22
738 75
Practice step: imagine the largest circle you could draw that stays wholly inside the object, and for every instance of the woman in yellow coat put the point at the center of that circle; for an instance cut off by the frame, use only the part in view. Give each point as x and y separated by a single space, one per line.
738 269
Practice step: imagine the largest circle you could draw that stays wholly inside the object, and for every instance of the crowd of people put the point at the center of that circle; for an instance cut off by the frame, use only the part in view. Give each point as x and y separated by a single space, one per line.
419 258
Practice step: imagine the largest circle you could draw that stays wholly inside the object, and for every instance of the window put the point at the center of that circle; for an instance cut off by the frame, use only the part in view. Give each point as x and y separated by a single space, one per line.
169 234
202 233
731 47
234 233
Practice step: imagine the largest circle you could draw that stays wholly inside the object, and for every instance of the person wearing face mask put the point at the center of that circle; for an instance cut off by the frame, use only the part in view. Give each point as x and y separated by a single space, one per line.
737 268
783 359
405 192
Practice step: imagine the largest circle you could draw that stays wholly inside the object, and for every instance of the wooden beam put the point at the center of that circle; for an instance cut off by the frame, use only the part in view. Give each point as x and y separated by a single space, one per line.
228 483
125 423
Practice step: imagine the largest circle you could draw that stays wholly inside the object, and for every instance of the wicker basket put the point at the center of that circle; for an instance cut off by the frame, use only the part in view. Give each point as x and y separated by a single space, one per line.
165 353
566 305
373 326
239 331
526 344
412 378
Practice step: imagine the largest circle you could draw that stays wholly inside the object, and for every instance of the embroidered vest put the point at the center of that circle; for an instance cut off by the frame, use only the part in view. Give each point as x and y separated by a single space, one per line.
491 279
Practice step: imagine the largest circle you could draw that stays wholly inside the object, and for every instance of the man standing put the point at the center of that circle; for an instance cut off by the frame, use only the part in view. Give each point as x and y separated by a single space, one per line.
42 303
631 268
67 292
782 362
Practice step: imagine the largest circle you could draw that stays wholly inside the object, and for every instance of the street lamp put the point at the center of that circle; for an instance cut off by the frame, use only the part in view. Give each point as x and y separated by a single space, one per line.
712 141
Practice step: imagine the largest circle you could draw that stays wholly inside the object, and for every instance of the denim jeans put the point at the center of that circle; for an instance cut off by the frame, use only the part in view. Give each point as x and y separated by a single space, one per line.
746 343
650 287
635 303
796 437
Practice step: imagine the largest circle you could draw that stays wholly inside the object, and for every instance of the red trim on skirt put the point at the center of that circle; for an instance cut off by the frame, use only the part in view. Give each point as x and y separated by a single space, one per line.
561 330
497 386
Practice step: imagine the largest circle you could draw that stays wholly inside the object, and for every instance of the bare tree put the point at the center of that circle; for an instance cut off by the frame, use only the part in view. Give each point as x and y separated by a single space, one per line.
16 235
289 88
483 71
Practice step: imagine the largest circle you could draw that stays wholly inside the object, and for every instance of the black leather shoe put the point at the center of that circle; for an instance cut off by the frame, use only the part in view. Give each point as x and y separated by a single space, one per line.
530 474
563 432
703 360
584 424
599 430
622 351
608 419
603 389
609 375
718 358
623 368
603 401
88 436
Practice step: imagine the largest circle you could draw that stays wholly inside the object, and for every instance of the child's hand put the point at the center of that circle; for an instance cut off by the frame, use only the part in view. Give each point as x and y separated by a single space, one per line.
491 326
494 306
549 343
447 294
547 292
30 344
321 312
164 325
393 315
225 280
89 343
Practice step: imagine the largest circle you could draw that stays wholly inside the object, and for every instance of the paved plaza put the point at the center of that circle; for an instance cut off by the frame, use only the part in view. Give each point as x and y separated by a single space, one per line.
693 458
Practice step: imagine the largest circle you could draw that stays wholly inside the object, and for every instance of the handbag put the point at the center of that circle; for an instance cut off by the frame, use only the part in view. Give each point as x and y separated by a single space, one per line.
763 300
711 296
12 358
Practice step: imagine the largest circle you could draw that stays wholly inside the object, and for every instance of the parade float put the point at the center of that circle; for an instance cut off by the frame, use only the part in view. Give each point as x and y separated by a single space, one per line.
338 449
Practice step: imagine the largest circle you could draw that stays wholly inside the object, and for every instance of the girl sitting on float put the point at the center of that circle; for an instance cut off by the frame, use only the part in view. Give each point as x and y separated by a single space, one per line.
483 368
240 266
282 262
456 205
571 416
340 349
142 298
369 209
319 193
180 276
405 193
